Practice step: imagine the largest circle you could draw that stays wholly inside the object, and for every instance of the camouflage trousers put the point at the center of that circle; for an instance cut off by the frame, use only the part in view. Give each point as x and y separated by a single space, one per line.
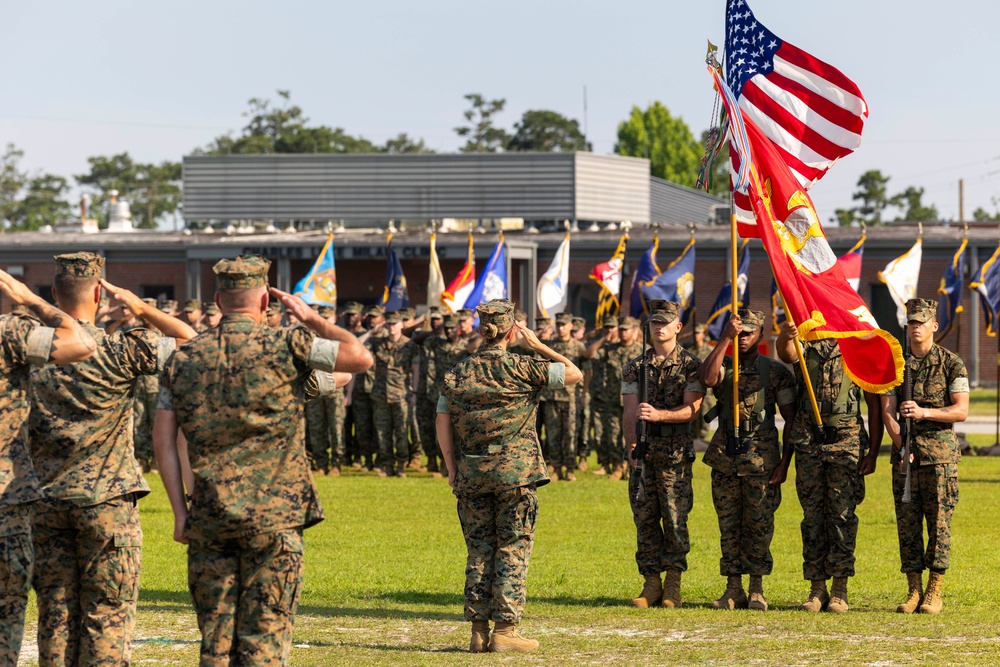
829 489
391 424
499 530
934 492
661 515
325 431
543 435
245 592
583 439
415 442
351 448
745 506
560 429
364 423
426 412
607 424
87 566
16 558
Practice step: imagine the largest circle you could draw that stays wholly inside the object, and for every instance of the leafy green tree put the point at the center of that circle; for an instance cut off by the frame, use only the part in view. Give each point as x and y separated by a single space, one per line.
403 143
666 141
872 192
982 214
909 201
44 203
483 136
845 217
12 181
153 190
547 132
283 128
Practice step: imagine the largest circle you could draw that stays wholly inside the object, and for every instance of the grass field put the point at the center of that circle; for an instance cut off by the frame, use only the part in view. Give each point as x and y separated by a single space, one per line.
384 576
983 403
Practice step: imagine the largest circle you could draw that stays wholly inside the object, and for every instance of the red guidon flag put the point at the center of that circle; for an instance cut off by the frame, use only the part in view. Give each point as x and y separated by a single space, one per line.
818 297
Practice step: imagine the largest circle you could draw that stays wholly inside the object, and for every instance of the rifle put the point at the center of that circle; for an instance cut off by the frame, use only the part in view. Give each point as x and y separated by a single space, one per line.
642 428
906 424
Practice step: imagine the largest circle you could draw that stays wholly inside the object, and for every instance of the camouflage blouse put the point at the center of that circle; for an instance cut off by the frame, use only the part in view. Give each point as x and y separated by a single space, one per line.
18 482
764 453
573 350
80 429
492 398
393 368
238 392
936 376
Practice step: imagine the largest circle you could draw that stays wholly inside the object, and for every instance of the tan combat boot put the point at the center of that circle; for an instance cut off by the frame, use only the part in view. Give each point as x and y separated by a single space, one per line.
570 477
734 597
616 472
913 596
333 472
818 597
672 590
757 600
933 603
400 469
601 470
415 465
838 596
652 592
506 638
480 637
582 465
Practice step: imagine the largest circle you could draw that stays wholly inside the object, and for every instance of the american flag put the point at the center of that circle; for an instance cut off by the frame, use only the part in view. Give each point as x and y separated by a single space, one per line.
812 113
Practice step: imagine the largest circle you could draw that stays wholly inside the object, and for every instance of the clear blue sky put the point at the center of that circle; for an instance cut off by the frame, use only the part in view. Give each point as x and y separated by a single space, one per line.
159 79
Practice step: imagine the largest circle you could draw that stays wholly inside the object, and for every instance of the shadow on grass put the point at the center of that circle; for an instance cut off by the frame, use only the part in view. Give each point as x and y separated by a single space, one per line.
355 612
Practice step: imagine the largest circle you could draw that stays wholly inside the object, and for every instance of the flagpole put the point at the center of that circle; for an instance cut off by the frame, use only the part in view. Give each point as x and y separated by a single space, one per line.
817 416
734 281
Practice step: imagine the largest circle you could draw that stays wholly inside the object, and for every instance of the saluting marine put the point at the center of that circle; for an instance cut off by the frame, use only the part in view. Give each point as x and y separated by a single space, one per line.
494 464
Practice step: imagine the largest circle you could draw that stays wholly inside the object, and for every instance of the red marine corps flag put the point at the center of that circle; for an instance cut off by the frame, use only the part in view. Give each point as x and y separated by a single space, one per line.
817 295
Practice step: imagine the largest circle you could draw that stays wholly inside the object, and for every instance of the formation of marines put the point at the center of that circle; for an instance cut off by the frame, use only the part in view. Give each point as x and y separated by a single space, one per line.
260 391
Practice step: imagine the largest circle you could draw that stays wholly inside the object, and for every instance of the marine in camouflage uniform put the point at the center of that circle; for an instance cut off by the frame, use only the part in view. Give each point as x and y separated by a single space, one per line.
324 418
940 398
237 392
599 392
426 409
660 511
560 405
361 398
351 320
700 348
147 392
830 464
606 398
746 472
392 394
495 464
24 342
87 538
583 438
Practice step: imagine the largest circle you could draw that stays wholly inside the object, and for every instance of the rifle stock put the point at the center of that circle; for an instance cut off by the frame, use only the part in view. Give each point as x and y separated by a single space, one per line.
642 428
906 424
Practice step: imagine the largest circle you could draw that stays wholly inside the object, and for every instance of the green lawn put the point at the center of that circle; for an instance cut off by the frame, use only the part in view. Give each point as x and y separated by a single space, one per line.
384 579
983 403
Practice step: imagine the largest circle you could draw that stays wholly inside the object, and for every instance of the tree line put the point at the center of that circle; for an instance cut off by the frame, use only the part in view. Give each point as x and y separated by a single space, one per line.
28 202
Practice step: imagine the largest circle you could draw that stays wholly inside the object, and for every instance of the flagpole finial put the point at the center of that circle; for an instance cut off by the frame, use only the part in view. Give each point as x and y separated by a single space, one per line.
711 55
920 231
691 228
864 228
391 227
965 230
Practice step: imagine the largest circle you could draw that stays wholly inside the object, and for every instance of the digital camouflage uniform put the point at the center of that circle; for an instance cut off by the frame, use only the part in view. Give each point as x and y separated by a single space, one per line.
390 393
325 430
934 476
560 410
826 468
666 473
492 399
88 541
147 392
364 408
426 409
23 343
700 429
744 501
238 392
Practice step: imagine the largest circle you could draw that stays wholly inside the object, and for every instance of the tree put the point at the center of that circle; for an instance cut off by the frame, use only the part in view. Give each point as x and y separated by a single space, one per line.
666 141
872 193
285 129
12 181
402 143
845 217
982 214
909 200
153 190
547 132
483 137
44 203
